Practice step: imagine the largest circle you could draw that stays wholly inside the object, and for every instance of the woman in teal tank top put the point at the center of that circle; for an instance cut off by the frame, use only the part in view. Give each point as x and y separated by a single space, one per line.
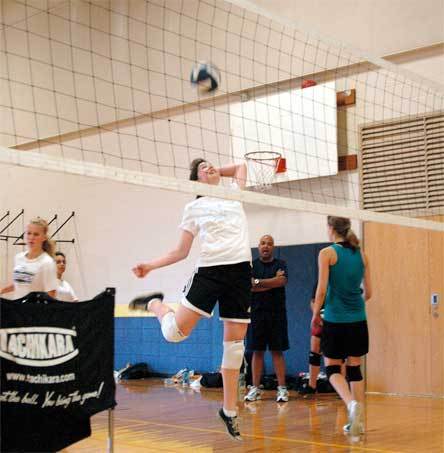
343 288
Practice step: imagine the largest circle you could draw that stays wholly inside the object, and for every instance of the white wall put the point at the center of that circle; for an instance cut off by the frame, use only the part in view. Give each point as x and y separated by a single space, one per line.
428 64
289 227
379 26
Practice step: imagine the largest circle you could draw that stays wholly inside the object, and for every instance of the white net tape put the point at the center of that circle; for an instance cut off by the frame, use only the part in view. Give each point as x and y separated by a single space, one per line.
105 172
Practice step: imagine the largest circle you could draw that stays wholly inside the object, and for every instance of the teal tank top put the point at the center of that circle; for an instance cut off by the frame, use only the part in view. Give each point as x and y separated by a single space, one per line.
344 301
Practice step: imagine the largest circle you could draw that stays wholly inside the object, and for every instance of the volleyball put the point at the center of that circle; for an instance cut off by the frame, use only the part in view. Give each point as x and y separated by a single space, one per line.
206 76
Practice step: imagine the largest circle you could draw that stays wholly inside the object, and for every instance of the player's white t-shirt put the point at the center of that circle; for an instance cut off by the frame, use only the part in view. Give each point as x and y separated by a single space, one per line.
38 274
65 293
222 229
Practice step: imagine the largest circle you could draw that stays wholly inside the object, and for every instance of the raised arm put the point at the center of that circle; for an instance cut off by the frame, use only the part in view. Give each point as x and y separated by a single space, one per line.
177 254
237 172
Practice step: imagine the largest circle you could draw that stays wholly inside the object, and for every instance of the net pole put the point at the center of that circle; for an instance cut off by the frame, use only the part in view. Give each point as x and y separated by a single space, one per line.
110 431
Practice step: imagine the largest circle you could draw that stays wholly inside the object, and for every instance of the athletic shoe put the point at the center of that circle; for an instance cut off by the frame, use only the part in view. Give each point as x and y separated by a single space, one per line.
282 394
179 375
346 428
232 425
141 303
253 394
307 390
354 418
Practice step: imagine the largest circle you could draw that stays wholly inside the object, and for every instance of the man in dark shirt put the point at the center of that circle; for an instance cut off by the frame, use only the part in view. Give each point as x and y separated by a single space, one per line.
268 326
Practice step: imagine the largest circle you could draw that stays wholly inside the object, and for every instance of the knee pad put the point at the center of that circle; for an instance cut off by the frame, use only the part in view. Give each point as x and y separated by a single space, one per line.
233 355
314 359
332 369
354 373
170 330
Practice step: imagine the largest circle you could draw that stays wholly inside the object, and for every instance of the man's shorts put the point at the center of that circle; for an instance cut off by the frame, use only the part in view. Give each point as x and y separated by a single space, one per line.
268 331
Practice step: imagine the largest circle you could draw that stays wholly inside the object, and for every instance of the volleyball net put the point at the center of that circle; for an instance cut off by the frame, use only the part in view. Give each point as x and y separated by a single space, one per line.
102 89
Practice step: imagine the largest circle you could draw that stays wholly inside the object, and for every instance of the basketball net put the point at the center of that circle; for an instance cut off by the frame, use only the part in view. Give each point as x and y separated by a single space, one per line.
262 168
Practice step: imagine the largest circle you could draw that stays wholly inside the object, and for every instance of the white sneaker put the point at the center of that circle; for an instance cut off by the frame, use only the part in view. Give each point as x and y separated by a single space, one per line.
142 302
253 394
354 418
346 428
282 394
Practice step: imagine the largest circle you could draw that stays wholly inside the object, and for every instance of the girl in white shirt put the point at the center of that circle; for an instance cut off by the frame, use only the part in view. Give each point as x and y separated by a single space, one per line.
223 274
34 269
65 293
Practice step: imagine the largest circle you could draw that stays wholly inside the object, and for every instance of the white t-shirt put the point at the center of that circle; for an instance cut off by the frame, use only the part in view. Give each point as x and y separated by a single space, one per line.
65 293
222 229
38 274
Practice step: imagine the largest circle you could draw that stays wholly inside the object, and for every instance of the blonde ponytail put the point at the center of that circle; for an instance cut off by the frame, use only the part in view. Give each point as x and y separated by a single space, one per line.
48 246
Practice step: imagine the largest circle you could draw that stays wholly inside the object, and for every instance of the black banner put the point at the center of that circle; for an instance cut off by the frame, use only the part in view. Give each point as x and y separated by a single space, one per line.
56 365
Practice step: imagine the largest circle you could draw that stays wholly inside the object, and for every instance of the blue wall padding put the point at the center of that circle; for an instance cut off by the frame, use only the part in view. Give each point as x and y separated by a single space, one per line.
140 339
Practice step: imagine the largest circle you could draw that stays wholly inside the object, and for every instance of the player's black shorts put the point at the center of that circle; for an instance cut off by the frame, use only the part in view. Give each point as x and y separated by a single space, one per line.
343 339
268 330
228 284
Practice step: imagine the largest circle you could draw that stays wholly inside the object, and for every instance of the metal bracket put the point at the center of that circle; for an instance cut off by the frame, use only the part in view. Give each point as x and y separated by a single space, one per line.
5 237
61 226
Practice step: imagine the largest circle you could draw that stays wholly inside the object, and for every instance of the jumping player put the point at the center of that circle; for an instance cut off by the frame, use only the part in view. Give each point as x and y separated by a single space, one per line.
223 274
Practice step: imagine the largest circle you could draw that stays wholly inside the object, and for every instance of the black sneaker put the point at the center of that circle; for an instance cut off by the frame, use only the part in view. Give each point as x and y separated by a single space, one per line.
232 425
141 302
307 390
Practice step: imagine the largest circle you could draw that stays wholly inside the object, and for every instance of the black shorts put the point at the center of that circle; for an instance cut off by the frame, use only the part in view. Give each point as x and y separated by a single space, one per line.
268 330
344 339
228 284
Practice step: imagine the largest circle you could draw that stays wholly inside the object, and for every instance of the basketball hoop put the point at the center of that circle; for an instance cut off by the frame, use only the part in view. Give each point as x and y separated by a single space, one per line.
263 166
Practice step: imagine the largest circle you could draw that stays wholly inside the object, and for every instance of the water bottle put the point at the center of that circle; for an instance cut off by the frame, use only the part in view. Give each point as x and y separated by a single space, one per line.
186 377
241 387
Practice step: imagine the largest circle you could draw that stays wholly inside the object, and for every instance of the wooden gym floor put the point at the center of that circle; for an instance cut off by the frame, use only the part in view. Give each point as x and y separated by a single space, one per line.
153 418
